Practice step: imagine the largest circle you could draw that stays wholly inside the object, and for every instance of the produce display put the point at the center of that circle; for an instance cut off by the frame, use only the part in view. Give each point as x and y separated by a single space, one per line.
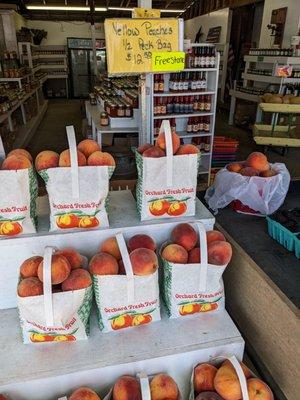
256 165
265 186
279 99
79 202
167 177
193 264
19 183
119 305
222 383
71 296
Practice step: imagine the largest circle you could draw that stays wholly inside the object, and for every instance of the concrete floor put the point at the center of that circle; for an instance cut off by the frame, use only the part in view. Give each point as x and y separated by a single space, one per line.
51 133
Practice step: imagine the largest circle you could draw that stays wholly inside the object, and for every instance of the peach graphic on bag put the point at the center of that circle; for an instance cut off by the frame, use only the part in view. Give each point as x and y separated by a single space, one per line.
130 319
76 219
10 227
168 205
197 307
37 337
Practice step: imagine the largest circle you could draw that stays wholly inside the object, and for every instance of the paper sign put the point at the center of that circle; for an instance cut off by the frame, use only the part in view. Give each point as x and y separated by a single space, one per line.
283 71
130 42
168 61
145 13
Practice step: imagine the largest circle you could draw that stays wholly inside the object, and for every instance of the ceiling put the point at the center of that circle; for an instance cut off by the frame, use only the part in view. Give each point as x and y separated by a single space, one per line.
85 15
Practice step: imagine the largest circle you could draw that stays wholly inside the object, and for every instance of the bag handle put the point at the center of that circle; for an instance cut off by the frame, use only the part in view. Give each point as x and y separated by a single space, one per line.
166 128
127 266
48 304
2 150
240 373
74 160
203 257
145 387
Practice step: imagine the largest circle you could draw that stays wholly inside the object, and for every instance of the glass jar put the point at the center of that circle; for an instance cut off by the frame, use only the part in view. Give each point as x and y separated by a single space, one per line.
104 119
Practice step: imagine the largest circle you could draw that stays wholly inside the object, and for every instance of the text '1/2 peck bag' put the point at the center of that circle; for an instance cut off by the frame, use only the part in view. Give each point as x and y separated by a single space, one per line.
55 317
19 190
166 186
193 288
125 301
77 195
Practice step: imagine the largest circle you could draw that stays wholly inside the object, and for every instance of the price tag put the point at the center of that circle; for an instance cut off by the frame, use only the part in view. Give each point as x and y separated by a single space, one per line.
145 13
131 42
260 58
163 61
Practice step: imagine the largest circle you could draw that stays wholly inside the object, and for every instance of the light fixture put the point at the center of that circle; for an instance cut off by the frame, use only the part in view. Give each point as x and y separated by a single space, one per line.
97 9
131 9
120 9
63 8
171 11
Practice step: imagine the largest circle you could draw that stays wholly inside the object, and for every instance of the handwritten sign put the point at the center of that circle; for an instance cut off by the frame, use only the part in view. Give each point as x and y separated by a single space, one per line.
167 61
131 42
145 13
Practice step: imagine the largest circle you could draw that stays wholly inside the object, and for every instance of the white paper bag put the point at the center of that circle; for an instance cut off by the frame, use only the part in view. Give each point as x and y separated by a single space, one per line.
263 195
77 195
238 369
55 317
19 191
145 388
193 288
125 301
167 186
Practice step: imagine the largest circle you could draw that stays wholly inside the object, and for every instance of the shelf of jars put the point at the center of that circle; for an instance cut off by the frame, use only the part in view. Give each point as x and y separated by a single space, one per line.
259 75
51 60
188 99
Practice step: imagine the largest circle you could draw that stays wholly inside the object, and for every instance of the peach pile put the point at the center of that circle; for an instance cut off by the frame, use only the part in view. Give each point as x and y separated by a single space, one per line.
224 382
108 260
17 159
88 153
159 150
67 274
184 248
162 387
256 165
84 393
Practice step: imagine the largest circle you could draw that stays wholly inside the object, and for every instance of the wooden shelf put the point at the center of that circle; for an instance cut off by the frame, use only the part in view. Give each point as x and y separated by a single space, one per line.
272 59
245 96
179 94
196 114
268 79
186 135
14 79
3 117
25 133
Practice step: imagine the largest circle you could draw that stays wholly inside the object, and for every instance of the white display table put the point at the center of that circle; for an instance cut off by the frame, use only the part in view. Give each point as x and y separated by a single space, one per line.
49 371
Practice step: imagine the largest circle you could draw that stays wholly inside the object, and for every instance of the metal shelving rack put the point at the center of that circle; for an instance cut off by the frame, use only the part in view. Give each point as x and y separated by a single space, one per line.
212 76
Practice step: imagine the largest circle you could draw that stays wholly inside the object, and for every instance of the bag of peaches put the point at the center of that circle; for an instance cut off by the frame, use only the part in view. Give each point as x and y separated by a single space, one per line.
126 285
143 387
227 380
193 264
167 177
77 182
253 186
55 296
19 189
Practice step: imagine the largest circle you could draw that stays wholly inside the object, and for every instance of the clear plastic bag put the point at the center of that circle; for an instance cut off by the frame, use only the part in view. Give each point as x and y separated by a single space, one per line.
264 195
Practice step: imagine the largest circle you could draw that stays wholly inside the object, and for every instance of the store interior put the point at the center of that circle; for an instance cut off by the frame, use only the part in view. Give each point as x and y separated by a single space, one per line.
238 92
